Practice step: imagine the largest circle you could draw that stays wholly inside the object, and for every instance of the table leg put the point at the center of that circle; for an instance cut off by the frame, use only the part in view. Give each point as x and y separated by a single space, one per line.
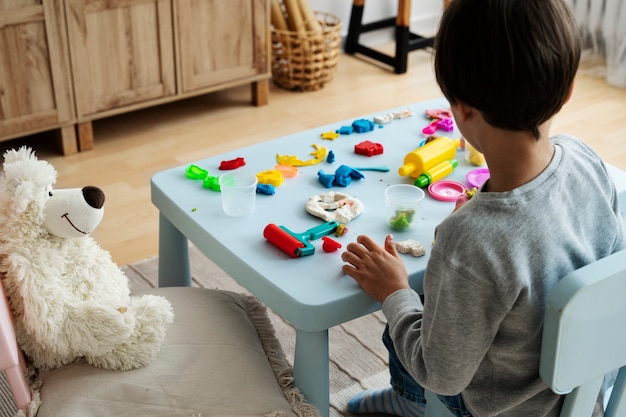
311 368
174 270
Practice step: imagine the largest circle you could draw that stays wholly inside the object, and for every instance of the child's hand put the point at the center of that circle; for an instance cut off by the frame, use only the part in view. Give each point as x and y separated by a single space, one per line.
464 198
380 271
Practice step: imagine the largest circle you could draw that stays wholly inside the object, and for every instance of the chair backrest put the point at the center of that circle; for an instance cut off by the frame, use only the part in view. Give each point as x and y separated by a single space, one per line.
11 358
584 337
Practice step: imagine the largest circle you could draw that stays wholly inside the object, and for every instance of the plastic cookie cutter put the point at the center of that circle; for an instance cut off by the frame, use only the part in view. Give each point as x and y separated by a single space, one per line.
334 206
319 154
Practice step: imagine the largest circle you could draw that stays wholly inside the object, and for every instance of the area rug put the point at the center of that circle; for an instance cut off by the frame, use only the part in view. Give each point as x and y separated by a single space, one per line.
358 359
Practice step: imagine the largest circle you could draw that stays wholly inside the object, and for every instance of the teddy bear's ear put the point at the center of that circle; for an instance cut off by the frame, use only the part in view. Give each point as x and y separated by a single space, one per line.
23 166
21 154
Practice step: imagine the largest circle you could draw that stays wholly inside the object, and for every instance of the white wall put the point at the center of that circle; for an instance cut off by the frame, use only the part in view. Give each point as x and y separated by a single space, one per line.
425 14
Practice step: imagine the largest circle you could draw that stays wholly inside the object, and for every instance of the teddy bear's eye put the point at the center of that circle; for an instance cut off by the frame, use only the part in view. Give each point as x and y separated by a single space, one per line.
49 193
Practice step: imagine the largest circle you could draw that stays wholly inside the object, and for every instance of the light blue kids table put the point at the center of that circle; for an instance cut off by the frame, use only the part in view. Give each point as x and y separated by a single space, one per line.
310 292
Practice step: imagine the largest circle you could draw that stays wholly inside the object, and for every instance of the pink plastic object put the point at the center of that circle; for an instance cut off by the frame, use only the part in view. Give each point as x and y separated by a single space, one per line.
440 119
438 114
446 190
431 128
446 125
442 124
12 361
477 177
330 245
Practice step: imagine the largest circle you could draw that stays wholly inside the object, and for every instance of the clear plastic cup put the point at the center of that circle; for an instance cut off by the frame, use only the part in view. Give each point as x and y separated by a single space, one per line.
403 202
238 191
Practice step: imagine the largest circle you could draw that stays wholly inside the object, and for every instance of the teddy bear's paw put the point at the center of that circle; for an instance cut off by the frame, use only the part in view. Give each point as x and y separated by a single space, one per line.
97 329
153 315
123 358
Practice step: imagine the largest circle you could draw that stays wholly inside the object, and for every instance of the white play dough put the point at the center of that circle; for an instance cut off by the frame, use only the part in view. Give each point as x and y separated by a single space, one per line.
334 206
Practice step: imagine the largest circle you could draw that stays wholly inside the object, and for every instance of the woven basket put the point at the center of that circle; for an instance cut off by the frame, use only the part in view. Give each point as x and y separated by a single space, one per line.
306 60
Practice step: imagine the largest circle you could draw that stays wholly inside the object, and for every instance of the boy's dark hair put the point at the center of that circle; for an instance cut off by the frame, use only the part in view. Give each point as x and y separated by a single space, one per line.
513 60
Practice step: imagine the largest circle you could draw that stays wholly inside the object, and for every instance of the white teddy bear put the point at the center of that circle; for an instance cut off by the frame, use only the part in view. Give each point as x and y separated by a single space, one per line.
69 299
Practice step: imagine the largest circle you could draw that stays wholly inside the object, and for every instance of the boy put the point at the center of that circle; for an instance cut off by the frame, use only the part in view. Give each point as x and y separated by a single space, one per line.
549 207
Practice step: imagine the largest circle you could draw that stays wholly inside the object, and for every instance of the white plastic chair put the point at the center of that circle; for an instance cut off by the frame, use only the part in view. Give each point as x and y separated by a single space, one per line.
584 339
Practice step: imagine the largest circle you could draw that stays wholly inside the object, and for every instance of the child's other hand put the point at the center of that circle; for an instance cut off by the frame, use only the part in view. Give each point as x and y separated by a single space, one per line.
379 270
463 198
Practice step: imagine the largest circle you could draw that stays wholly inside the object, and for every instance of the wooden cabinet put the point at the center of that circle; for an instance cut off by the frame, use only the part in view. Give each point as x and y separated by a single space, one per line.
65 63
35 74
224 51
132 54
122 53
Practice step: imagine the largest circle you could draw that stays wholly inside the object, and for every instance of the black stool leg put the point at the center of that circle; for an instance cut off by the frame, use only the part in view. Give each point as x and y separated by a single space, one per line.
402 49
354 29
406 41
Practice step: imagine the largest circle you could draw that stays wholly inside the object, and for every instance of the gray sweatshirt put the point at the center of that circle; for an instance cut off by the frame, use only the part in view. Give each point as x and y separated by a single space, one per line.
492 266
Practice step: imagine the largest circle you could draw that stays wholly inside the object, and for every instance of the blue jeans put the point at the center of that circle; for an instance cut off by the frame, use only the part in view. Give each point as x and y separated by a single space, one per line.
407 387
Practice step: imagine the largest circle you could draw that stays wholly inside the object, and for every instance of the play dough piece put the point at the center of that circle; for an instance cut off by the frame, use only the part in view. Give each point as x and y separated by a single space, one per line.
412 247
334 206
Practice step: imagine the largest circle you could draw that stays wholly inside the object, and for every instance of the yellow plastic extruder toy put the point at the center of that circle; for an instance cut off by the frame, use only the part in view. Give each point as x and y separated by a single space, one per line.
429 156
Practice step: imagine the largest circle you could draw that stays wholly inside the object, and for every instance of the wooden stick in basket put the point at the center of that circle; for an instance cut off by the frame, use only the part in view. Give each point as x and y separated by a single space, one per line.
294 17
278 19
309 17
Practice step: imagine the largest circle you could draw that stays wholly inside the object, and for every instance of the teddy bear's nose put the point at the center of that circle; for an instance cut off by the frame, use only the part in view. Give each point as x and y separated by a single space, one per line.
93 196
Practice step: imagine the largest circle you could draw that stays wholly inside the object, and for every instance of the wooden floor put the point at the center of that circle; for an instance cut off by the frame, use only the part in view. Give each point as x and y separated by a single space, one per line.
130 148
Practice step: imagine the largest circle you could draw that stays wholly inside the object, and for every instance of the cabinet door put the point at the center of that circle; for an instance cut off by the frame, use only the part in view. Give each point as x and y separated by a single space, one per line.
35 93
221 41
122 52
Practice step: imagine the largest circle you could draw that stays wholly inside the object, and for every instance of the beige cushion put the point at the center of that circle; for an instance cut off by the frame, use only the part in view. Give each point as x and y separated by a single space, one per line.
212 362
